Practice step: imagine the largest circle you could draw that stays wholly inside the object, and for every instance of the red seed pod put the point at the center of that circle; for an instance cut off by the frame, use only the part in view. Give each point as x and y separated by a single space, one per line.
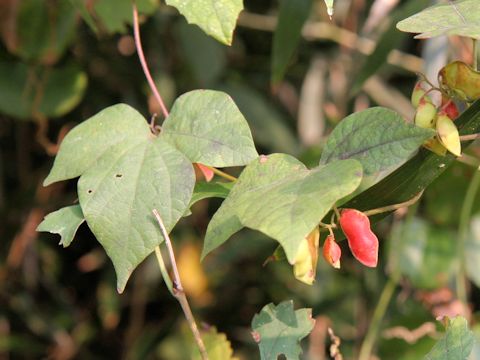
450 109
332 252
362 241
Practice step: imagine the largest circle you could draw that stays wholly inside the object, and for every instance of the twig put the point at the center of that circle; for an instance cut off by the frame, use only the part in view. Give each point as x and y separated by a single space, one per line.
222 174
163 270
395 206
469 137
178 291
141 56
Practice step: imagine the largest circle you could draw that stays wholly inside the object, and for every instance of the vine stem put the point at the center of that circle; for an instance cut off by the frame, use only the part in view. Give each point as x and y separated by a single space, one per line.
141 56
177 289
469 137
222 174
465 213
378 314
395 206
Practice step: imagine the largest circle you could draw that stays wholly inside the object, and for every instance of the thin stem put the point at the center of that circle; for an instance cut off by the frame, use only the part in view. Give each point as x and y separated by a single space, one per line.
222 174
178 291
163 270
373 329
141 56
469 137
465 213
395 206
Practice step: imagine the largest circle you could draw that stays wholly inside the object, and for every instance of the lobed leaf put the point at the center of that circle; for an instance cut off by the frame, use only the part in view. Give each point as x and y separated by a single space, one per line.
120 191
456 344
126 172
280 197
87 142
279 329
208 128
64 222
377 137
216 17
454 18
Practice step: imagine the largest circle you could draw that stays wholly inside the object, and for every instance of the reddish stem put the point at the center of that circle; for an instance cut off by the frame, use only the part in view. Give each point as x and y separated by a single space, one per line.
141 56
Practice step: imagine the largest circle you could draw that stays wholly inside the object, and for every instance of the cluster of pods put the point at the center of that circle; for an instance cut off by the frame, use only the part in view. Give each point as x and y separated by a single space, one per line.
440 118
457 81
362 241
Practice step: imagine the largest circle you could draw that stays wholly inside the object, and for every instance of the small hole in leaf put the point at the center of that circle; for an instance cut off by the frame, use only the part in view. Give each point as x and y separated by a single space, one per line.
89 191
118 175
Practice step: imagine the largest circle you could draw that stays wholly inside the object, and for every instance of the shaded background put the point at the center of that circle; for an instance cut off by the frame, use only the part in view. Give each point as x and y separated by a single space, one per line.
56 71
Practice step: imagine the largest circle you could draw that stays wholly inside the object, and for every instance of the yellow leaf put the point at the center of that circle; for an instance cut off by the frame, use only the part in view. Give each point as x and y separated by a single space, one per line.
305 265
448 134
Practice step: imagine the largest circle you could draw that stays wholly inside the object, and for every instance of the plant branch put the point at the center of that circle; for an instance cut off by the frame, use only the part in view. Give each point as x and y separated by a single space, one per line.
469 137
378 314
178 291
141 56
394 207
163 270
222 174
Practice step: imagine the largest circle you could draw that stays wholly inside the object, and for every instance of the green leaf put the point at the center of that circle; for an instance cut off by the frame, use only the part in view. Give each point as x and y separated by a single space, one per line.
216 17
456 344
292 16
389 40
59 90
205 190
205 56
424 254
269 126
279 329
115 15
44 30
377 137
415 175
472 251
85 14
87 142
455 18
64 222
126 172
280 197
208 128
118 193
